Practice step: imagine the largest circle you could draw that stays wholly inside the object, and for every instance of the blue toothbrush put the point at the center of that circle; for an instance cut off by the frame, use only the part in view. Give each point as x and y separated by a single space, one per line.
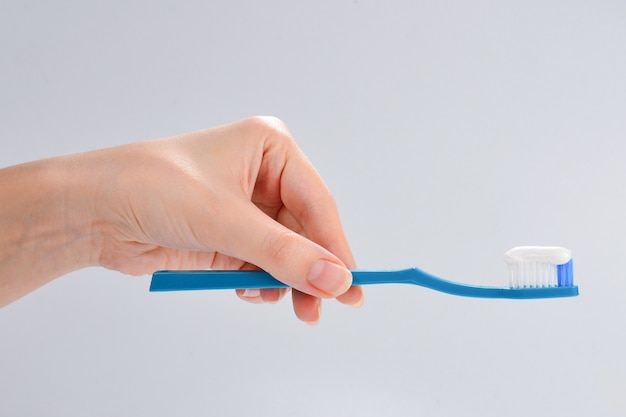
534 272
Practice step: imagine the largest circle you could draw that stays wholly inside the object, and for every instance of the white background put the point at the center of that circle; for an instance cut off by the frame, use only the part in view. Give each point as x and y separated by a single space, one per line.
448 132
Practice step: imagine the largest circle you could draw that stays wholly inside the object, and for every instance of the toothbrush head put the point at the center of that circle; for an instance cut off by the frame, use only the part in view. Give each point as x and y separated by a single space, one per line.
540 267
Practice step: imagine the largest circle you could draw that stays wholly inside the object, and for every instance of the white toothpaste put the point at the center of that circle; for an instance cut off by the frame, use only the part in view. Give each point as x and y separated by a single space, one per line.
535 266
550 254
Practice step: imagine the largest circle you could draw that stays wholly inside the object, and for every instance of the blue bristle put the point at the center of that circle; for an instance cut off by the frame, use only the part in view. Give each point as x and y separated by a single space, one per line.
565 274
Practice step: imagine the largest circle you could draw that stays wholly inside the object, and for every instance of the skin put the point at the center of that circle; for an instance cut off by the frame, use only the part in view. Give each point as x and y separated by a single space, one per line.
238 196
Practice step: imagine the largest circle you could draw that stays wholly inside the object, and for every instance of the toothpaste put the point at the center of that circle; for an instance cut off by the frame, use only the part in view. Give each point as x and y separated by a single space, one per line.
554 255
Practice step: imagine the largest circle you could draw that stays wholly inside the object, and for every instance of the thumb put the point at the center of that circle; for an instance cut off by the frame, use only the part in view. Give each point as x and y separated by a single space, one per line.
287 256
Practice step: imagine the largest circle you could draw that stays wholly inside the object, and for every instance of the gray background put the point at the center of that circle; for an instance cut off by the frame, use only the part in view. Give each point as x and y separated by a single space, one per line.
448 132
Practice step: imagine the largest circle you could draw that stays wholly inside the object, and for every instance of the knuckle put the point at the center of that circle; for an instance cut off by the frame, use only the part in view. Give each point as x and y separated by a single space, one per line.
271 123
282 247
272 127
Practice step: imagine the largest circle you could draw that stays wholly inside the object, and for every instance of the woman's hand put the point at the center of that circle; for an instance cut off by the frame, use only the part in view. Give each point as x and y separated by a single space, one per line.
238 196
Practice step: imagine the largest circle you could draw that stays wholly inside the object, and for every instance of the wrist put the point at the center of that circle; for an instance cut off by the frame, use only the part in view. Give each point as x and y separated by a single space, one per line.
82 187
47 230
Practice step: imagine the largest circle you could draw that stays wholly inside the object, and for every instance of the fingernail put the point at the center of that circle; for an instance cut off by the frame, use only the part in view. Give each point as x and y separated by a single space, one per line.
359 303
272 296
329 277
319 315
251 293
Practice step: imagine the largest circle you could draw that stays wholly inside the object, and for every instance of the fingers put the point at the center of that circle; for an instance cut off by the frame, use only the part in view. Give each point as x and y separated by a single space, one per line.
353 297
293 229
286 255
297 261
309 204
262 296
287 183
306 307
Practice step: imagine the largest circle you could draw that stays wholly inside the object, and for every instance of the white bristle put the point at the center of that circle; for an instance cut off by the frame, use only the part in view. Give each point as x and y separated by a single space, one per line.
535 266
532 274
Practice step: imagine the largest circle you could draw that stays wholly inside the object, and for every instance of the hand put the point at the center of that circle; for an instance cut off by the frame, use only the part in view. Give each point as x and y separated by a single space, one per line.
238 196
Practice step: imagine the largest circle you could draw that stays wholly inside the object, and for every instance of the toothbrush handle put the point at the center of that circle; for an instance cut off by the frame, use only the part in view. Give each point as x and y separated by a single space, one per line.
224 280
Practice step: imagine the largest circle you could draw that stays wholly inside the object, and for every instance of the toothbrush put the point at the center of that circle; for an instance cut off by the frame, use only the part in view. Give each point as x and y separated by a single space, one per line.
534 272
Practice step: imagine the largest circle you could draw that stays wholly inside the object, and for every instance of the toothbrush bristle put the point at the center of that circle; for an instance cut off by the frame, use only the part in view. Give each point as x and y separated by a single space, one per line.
540 275
565 273
539 267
